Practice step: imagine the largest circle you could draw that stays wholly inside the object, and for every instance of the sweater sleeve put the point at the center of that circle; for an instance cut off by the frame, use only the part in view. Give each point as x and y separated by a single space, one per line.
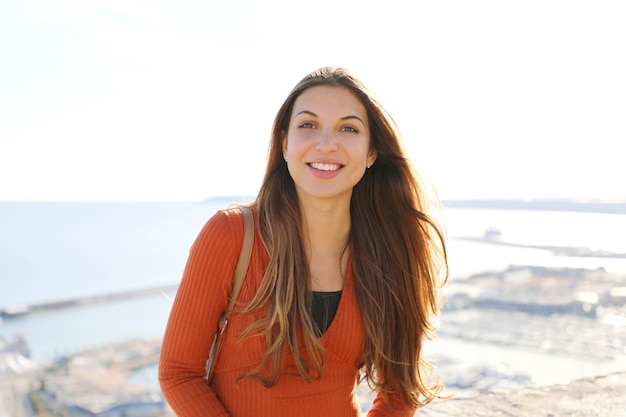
201 297
397 409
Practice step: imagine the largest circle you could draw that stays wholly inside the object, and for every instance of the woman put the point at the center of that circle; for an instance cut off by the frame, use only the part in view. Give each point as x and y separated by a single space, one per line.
342 281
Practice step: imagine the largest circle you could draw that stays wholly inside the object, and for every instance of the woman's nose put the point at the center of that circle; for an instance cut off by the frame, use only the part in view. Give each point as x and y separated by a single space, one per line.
326 141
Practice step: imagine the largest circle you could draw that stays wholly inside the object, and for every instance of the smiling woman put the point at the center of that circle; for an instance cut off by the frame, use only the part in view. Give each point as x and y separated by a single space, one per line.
328 139
342 282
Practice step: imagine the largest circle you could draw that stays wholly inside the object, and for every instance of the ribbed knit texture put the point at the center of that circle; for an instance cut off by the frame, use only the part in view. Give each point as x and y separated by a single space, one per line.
201 298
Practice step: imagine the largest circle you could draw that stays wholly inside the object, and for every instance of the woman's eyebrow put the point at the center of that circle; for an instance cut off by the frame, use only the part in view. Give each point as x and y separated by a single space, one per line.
351 116
305 112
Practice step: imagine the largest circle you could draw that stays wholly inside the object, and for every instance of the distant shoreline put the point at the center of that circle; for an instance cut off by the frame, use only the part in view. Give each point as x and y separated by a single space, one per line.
540 204
547 204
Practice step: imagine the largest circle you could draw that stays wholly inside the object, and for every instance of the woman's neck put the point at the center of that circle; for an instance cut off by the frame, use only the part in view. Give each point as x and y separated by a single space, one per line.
327 227
326 239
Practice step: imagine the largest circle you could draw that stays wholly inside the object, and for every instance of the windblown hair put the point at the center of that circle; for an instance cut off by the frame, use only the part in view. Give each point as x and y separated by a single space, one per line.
398 254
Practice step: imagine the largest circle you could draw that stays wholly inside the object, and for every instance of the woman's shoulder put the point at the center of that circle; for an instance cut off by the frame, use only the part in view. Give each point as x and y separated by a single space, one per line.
232 215
225 226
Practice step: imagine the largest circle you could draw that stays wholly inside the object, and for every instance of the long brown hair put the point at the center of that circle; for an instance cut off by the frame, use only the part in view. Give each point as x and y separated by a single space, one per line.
398 255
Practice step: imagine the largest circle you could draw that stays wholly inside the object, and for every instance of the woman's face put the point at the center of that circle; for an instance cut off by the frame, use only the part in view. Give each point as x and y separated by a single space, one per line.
327 146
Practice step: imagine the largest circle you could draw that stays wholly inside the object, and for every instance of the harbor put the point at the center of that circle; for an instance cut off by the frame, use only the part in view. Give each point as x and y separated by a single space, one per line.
515 316
520 327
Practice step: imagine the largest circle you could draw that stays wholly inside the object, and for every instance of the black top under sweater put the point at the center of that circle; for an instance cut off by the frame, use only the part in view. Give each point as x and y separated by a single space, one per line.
324 308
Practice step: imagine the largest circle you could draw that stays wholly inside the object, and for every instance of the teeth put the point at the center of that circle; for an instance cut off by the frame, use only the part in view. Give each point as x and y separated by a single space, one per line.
325 167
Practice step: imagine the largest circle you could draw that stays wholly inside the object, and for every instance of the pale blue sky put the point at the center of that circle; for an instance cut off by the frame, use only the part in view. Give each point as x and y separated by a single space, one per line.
174 100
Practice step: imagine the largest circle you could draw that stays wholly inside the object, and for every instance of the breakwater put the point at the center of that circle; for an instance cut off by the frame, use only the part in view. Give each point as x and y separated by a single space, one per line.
10 312
572 251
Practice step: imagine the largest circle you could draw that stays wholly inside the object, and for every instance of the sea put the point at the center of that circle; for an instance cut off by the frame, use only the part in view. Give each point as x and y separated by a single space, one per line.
52 251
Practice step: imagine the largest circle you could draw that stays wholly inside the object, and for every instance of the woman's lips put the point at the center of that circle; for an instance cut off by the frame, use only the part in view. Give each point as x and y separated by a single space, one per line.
325 170
325 167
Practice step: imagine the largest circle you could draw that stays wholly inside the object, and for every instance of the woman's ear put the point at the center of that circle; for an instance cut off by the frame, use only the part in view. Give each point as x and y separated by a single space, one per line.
371 157
283 138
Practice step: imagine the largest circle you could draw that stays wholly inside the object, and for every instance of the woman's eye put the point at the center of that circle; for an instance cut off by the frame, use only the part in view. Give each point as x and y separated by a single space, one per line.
306 125
349 129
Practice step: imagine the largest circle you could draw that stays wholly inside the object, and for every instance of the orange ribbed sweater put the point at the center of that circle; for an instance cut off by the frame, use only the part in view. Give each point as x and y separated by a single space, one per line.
201 298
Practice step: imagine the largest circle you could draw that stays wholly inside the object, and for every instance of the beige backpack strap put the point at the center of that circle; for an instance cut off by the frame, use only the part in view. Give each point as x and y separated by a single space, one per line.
238 276
244 258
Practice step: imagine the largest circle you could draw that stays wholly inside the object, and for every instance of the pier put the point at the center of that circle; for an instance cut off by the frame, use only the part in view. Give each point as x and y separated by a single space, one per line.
43 307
